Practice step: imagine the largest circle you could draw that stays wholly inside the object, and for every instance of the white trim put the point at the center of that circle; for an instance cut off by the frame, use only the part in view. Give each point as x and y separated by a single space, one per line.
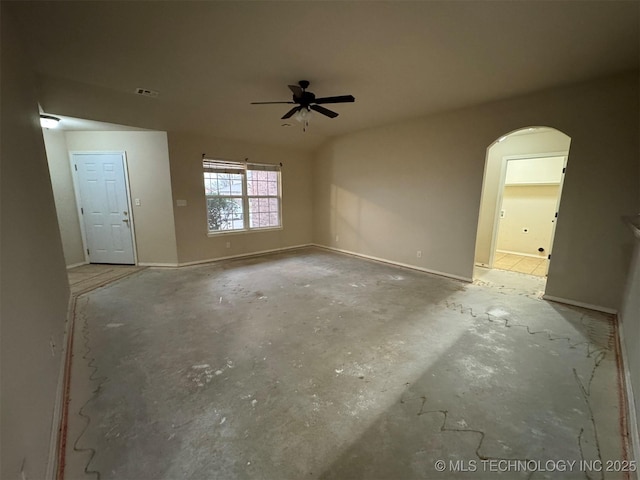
219 233
398 264
575 303
525 156
76 189
533 184
69 267
501 186
542 257
496 215
56 418
156 264
244 255
632 419
132 221
244 197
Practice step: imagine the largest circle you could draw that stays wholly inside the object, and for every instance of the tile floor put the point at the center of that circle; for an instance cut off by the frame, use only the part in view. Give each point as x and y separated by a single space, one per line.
520 263
85 278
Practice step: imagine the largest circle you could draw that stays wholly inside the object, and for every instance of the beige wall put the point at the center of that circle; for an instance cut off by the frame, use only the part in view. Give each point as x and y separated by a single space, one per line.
531 207
55 143
390 191
33 281
194 244
149 181
527 144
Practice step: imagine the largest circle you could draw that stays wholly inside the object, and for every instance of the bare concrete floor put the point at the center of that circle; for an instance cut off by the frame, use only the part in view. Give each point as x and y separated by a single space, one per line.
311 364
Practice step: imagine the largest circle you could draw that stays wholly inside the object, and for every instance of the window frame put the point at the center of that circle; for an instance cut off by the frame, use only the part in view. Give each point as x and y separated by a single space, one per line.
242 168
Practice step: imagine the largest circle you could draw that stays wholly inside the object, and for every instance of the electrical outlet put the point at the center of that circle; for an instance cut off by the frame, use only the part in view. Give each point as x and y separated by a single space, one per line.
419 254
501 213
337 238
228 244
137 202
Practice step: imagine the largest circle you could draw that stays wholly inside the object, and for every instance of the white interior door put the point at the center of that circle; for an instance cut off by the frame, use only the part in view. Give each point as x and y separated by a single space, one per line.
104 206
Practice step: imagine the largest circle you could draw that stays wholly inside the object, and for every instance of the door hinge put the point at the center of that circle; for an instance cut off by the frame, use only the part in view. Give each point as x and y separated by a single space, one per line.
87 251
564 169
549 257
556 214
75 166
82 210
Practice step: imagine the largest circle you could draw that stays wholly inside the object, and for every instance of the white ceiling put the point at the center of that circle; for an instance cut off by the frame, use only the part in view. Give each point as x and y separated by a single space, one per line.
399 59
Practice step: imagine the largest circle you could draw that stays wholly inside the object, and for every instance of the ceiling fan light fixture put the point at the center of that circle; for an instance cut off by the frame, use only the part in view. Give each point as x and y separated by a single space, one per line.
303 115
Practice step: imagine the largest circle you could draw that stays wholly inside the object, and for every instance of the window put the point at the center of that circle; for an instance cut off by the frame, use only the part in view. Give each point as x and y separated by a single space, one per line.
241 196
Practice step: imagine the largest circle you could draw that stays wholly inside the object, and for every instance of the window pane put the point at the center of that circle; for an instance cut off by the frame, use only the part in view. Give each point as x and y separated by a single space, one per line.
210 185
224 213
227 192
222 183
236 185
254 220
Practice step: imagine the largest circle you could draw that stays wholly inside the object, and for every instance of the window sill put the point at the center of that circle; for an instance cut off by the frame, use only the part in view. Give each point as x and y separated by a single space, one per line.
224 233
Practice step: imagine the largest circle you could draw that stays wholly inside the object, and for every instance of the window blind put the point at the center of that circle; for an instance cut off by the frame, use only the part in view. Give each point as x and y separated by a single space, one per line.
224 166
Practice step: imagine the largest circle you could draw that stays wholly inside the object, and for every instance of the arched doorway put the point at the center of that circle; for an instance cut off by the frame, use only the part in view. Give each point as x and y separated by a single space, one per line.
522 187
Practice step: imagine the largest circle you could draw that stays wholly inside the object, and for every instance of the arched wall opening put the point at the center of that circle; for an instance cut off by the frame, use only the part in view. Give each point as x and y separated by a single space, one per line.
519 208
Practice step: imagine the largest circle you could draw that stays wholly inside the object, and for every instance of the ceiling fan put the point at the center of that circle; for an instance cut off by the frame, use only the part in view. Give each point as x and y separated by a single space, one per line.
307 101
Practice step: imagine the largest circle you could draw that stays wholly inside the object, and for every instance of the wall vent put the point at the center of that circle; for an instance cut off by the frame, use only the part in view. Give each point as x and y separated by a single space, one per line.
147 92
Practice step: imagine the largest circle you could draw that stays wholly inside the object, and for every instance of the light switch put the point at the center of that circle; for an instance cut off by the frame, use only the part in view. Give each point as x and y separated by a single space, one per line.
181 203
137 202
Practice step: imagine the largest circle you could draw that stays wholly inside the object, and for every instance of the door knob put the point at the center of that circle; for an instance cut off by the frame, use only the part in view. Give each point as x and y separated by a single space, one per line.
125 220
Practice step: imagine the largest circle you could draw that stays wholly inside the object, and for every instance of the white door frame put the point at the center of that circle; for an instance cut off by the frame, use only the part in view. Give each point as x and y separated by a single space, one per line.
76 189
503 176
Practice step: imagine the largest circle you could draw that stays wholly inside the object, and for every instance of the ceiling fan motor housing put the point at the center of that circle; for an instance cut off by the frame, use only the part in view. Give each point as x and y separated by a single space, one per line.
306 99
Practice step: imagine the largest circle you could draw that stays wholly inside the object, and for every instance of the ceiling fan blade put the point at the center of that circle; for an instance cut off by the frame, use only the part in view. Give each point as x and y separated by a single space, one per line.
267 103
324 111
297 91
290 112
338 99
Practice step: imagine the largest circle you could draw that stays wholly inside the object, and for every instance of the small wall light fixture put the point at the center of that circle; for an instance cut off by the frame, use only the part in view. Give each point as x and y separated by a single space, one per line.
49 121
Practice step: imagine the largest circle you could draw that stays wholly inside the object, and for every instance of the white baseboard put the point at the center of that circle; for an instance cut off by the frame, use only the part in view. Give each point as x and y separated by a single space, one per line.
575 303
245 255
69 267
398 264
543 256
632 417
155 264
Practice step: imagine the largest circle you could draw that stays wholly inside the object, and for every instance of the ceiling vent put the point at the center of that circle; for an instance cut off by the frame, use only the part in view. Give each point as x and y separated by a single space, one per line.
147 92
